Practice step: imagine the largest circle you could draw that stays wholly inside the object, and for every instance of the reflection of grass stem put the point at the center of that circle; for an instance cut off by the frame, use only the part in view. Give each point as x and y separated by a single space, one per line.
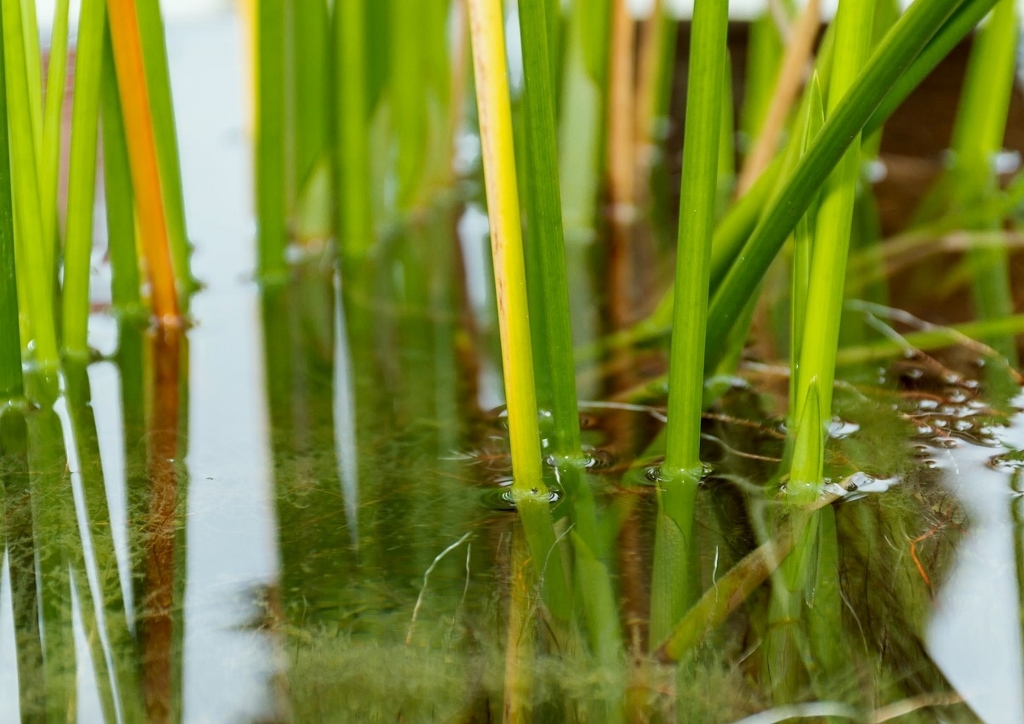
520 634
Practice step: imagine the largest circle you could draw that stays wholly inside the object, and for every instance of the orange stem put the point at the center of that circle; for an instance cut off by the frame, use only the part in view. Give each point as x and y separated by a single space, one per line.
131 82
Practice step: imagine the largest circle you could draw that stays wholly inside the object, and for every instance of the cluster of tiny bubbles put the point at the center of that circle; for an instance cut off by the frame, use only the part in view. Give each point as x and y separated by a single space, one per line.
955 416
502 498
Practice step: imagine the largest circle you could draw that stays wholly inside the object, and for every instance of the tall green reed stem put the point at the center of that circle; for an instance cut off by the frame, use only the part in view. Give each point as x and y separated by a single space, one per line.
355 231
271 174
816 369
494 111
82 177
977 138
158 83
545 228
549 295
310 61
34 270
495 115
580 120
143 157
117 184
11 383
900 47
955 29
50 156
681 470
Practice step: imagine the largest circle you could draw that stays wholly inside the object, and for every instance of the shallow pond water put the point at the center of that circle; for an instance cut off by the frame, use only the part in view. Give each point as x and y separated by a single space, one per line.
294 512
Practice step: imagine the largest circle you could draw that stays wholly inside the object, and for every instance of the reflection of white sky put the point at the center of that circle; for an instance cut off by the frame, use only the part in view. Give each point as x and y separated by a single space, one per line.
8 651
231 531
975 633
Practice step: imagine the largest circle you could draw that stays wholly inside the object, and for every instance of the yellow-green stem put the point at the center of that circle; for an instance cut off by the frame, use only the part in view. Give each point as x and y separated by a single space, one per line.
495 114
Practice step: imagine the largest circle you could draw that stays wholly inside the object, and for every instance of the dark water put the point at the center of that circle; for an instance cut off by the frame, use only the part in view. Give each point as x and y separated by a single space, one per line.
294 512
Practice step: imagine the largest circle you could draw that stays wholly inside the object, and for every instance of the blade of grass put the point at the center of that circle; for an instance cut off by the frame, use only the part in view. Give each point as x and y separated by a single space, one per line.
581 126
955 29
931 339
909 36
764 56
803 238
681 470
816 368
49 170
311 114
30 33
529 491
11 383
551 292
158 79
82 177
142 155
487 33
546 239
355 234
655 65
36 276
117 183
977 138
271 194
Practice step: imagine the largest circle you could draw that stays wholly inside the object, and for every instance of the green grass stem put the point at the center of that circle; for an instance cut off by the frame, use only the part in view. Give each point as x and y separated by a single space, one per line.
117 181
36 275
977 138
696 225
271 172
764 58
82 178
545 236
964 19
11 382
158 86
529 491
311 106
816 367
908 37
550 299
355 235
29 25
803 239
407 97
681 470
581 118
494 111
931 339
49 169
